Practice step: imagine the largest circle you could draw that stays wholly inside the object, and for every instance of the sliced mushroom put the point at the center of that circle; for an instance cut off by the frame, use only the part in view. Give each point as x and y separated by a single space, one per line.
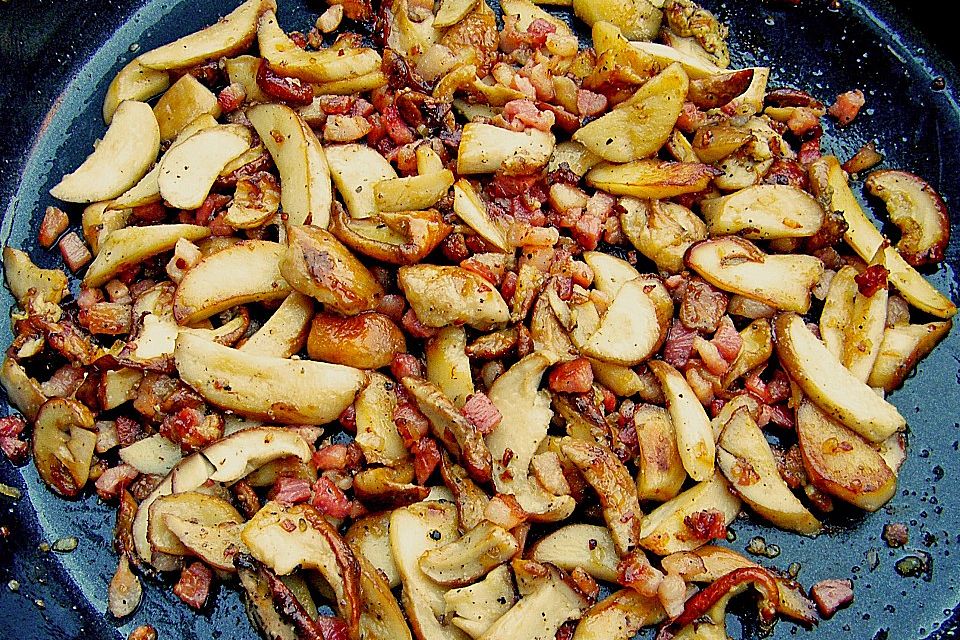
620 616
132 245
403 237
917 210
652 179
63 443
263 387
356 168
476 607
473 212
461 562
485 148
902 347
365 341
457 434
22 275
737 265
154 455
695 439
285 332
388 487
661 230
241 453
764 212
470 499
441 296
377 433
587 546
526 415
448 366
539 614
311 543
630 330
748 463
665 531
369 538
193 508
660 470
828 383
380 615
615 487
838 310
23 392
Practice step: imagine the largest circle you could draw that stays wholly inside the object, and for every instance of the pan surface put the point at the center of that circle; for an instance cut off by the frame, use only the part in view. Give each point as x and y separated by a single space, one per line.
57 59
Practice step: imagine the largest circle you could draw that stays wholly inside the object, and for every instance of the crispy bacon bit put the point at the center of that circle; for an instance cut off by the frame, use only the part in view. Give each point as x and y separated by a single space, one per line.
896 534
831 595
11 426
290 491
521 114
64 382
152 213
787 172
777 414
873 279
114 480
107 318
292 90
866 158
194 584
74 251
706 525
14 448
575 376
727 339
411 424
590 104
702 306
481 412
55 222
504 510
128 431
636 572
426 457
847 106
329 499
231 97
397 129
585 584
143 632
802 121
337 457
246 498
679 344
191 429
809 150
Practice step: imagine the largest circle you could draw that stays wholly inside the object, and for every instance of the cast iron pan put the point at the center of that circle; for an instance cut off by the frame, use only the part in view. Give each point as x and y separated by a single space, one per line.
56 59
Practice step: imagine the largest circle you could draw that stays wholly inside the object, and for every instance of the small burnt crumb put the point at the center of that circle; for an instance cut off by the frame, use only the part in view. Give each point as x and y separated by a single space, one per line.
592 543
938 84
895 534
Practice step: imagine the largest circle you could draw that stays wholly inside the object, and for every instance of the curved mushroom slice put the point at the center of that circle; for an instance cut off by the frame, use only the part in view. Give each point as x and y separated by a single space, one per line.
125 154
133 82
840 462
665 531
917 210
457 434
463 561
470 499
232 34
485 148
23 392
539 614
474 608
198 509
369 538
441 296
652 179
325 65
638 127
863 334
620 616
830 385
259 602
710 563
866 240
365 341
356 168
695 439
188 170
377 434
249 271
388 487
748 463
266 388
764 212
307 193
660 471
412 193
22 275
587 546
184 105
318 265
838 310
661 230
414 530
448 366
312 543
155 455
285 333
696 67
902 348
630 330
132 245
405 237
63 443
615 487
245 451
380 615
526 416
737 265
473 212
578 158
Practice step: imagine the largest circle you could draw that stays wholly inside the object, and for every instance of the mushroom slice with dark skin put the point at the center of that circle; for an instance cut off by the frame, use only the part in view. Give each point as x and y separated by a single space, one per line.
471 500
919 212
63 443
457 434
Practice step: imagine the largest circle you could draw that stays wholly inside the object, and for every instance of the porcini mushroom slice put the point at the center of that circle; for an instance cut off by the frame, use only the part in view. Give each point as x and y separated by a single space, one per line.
356 168
660 471
695 439
476 607
829 384
764 212
902 347
463 561
125 154
312 543
245 451
526 415
22 275
739 266
63 444
665 529
587 546
193 508
473 212
188 170
842 463
377 434
285 332
23 392
380 615
748 463
917 210
448 366
485 148
442 295
539 614
630 331
414 530
248 271
369 537
132 245
619 616
266 388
